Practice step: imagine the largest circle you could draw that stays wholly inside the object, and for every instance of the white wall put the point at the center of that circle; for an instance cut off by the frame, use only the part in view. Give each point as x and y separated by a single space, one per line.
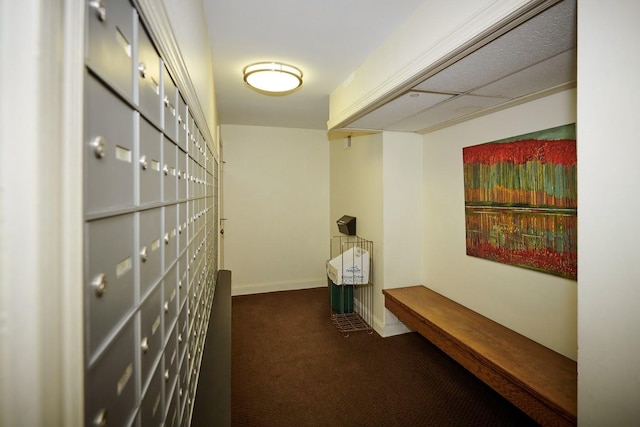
540 306
402 216
276 189
609 202
378 180
356 190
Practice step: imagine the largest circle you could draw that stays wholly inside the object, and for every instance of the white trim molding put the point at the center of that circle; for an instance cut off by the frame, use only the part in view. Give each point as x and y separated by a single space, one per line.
41 364
490 22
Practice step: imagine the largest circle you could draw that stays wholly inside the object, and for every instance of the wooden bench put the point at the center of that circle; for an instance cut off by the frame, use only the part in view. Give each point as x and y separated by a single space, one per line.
539 381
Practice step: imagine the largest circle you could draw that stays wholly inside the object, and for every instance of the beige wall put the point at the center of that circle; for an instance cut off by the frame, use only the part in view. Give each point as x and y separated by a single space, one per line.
276 199
540 306
378 180
356 190
609 203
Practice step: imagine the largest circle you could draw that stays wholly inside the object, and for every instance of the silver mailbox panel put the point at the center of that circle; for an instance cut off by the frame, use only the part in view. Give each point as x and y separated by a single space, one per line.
151 407
151 339
171 363
150 164
169 170
111 382
170 235
183 382
109 150
182 169
172 418
183 120
182 227
191 134
170 298
192 178
109 287
183 278
150 250
170 106
109 42
148 73
183 330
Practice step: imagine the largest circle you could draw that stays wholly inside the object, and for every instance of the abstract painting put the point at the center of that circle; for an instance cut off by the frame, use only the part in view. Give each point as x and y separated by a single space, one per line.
521 204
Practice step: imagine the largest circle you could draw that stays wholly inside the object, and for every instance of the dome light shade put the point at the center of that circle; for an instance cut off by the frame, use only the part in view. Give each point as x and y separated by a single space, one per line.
273 77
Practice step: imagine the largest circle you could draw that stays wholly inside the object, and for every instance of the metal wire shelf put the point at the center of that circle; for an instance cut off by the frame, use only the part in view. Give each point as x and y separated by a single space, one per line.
350 284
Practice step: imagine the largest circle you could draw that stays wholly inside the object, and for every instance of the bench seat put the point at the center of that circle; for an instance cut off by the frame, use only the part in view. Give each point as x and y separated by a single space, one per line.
539 381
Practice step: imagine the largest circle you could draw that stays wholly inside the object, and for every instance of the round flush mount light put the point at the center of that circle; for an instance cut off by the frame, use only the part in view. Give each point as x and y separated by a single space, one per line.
272 77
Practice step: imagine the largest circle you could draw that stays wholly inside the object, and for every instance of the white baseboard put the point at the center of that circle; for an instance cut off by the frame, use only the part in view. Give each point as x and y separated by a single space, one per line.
392 329
261 288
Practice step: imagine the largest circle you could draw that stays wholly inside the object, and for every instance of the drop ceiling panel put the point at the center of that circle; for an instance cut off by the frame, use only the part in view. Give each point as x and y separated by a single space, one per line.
553 72
546 35
455 108
404 106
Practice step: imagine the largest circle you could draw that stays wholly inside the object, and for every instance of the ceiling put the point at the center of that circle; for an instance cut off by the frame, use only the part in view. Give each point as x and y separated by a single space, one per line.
329 39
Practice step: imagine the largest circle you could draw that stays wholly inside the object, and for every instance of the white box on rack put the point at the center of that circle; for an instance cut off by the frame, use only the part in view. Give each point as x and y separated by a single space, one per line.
349 268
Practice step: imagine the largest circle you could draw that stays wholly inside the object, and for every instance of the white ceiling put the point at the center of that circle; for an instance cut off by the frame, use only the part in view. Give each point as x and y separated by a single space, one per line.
329 39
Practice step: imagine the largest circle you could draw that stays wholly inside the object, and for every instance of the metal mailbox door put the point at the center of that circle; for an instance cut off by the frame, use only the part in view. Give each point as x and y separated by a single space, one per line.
109 288
111 396
148 68
109 43
151 339
109 150
150 161
169 170
170 106
170 235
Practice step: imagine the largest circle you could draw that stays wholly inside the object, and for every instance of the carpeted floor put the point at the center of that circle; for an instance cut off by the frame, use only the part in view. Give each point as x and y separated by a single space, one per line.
292 367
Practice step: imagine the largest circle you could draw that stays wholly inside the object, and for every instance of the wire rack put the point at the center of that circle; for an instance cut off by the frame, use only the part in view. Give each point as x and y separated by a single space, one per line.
349 277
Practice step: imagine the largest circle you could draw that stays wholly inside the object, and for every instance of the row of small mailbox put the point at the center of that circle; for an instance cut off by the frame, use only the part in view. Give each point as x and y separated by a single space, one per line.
152 382
124 149
120 51
129 254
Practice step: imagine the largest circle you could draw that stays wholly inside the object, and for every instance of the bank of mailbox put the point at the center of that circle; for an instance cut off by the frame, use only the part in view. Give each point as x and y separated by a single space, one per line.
148 267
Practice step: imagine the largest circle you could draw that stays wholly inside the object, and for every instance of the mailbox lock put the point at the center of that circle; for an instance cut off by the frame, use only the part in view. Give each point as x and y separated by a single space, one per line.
98 147
100 284
143 70
179 337
144 163
165 169
101 419
180 284
144 254
166 238
145 345
166 307
100 9
166 375
166 101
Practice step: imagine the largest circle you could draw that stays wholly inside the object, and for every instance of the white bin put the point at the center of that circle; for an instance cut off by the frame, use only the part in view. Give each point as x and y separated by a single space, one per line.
349 268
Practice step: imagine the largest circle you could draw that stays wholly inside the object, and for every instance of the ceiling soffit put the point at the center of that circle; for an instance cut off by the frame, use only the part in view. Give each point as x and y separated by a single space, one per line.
535 58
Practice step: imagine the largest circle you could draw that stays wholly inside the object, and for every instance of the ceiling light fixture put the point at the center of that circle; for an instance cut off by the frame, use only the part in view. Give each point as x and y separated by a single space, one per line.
272 77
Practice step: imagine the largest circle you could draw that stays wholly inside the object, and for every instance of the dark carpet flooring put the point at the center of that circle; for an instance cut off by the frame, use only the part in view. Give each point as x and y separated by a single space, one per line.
292 367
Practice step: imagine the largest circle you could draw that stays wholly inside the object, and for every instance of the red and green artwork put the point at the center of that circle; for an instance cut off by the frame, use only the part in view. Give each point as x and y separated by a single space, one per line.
521 204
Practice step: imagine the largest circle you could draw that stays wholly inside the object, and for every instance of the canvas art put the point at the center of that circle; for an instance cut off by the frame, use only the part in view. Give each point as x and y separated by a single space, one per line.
521 204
